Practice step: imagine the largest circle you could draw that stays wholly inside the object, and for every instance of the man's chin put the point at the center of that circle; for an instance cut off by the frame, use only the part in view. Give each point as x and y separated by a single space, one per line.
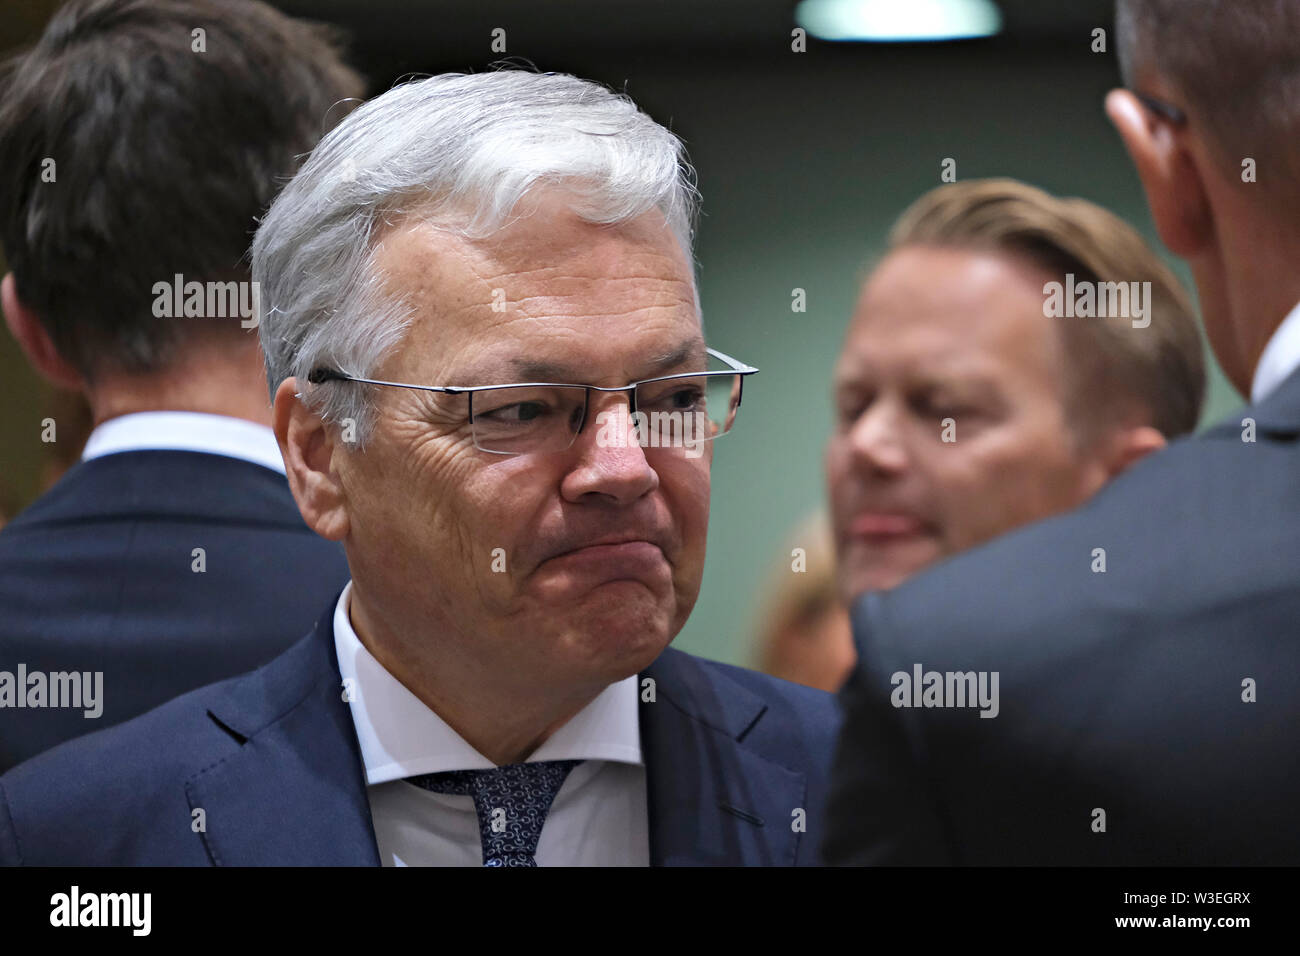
618 629
569 588
608 600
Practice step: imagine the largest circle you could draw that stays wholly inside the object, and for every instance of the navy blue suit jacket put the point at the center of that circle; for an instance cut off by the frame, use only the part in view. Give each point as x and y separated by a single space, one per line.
97 575
1126 692
736 769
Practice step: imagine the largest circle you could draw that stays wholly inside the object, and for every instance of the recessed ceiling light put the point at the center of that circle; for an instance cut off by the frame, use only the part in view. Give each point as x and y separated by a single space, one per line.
898 20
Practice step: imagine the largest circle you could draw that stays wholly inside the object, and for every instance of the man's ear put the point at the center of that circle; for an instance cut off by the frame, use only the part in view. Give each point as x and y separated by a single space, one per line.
35 342
1130 445
309 447
1170 178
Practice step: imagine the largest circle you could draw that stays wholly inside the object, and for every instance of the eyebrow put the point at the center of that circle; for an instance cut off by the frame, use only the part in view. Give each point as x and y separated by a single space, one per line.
978 382
537 371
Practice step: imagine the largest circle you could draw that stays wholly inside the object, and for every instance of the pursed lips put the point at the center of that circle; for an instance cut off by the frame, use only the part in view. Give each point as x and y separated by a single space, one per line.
632 546
606 561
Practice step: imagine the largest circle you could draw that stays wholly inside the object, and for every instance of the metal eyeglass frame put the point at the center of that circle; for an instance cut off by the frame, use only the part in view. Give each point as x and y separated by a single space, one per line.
1166 111
320 375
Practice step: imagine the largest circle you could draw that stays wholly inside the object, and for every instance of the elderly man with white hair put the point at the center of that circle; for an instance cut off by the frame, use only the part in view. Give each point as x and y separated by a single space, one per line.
491 385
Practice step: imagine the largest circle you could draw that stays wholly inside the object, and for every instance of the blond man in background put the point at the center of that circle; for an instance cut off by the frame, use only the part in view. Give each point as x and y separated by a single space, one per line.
975 394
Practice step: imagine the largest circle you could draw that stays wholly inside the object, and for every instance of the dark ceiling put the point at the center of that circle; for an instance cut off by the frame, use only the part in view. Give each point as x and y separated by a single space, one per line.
392 36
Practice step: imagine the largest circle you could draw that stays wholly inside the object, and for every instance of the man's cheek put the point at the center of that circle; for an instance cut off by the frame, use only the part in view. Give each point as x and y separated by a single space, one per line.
700 480
953 506
487 542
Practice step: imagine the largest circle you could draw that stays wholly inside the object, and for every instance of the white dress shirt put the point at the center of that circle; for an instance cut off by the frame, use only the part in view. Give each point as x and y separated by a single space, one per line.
186 431
599 817
1281 357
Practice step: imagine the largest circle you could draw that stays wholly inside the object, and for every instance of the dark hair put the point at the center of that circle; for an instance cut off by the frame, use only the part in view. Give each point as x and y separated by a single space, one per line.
167 143
1113 367
1236 64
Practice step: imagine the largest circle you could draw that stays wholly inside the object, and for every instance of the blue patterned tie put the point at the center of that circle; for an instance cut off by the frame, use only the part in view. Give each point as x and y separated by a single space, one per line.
511 803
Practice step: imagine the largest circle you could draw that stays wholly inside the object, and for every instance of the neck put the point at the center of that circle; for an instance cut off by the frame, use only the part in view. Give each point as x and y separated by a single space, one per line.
1246 275
505 721
217 379
1262 293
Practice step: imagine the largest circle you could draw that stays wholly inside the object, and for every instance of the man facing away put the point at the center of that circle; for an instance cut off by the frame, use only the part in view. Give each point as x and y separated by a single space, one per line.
1138 654
139 141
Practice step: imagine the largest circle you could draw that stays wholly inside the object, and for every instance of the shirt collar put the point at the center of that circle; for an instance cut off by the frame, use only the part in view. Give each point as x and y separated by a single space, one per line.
186 431
1281 357
400 736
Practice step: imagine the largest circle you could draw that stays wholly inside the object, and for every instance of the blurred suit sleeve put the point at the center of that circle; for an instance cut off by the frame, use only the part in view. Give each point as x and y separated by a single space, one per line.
8 839
881 809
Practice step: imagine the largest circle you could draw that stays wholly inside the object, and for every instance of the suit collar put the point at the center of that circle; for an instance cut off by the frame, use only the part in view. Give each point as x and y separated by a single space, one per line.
296 785
293 794
1279 412
401 736
186 431
704 695
181 484
1280 357
712 799
1277 415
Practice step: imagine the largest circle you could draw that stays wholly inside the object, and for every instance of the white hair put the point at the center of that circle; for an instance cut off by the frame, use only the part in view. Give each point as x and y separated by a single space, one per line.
462 148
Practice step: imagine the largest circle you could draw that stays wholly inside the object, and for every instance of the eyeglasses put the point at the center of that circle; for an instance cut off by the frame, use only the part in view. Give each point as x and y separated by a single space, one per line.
537 417
1162 109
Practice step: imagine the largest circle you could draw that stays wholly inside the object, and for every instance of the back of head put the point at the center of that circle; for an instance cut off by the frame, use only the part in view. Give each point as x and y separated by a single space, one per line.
1116 371
141 139
1235 65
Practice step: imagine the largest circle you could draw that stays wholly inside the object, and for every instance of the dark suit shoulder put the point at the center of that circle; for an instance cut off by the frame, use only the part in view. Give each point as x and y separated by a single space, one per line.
1182 533
183 486
128 779
159 572
118 795
166 741
1125 638
719 739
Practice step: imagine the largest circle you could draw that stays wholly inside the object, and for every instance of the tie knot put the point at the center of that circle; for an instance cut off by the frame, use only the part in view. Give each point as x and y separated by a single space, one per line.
511 803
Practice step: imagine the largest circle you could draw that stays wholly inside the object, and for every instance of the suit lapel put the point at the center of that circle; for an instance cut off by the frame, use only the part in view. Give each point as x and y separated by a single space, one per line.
294 792
712 801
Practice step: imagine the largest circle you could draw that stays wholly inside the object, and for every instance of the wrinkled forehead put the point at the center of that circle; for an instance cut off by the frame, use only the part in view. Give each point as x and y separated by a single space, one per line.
550 292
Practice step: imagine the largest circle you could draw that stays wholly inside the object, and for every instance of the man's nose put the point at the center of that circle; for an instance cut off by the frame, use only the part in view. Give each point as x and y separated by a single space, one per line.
608 458
876 441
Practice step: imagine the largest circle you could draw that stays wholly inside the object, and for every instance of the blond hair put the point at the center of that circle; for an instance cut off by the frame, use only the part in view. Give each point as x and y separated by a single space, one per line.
1115 370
